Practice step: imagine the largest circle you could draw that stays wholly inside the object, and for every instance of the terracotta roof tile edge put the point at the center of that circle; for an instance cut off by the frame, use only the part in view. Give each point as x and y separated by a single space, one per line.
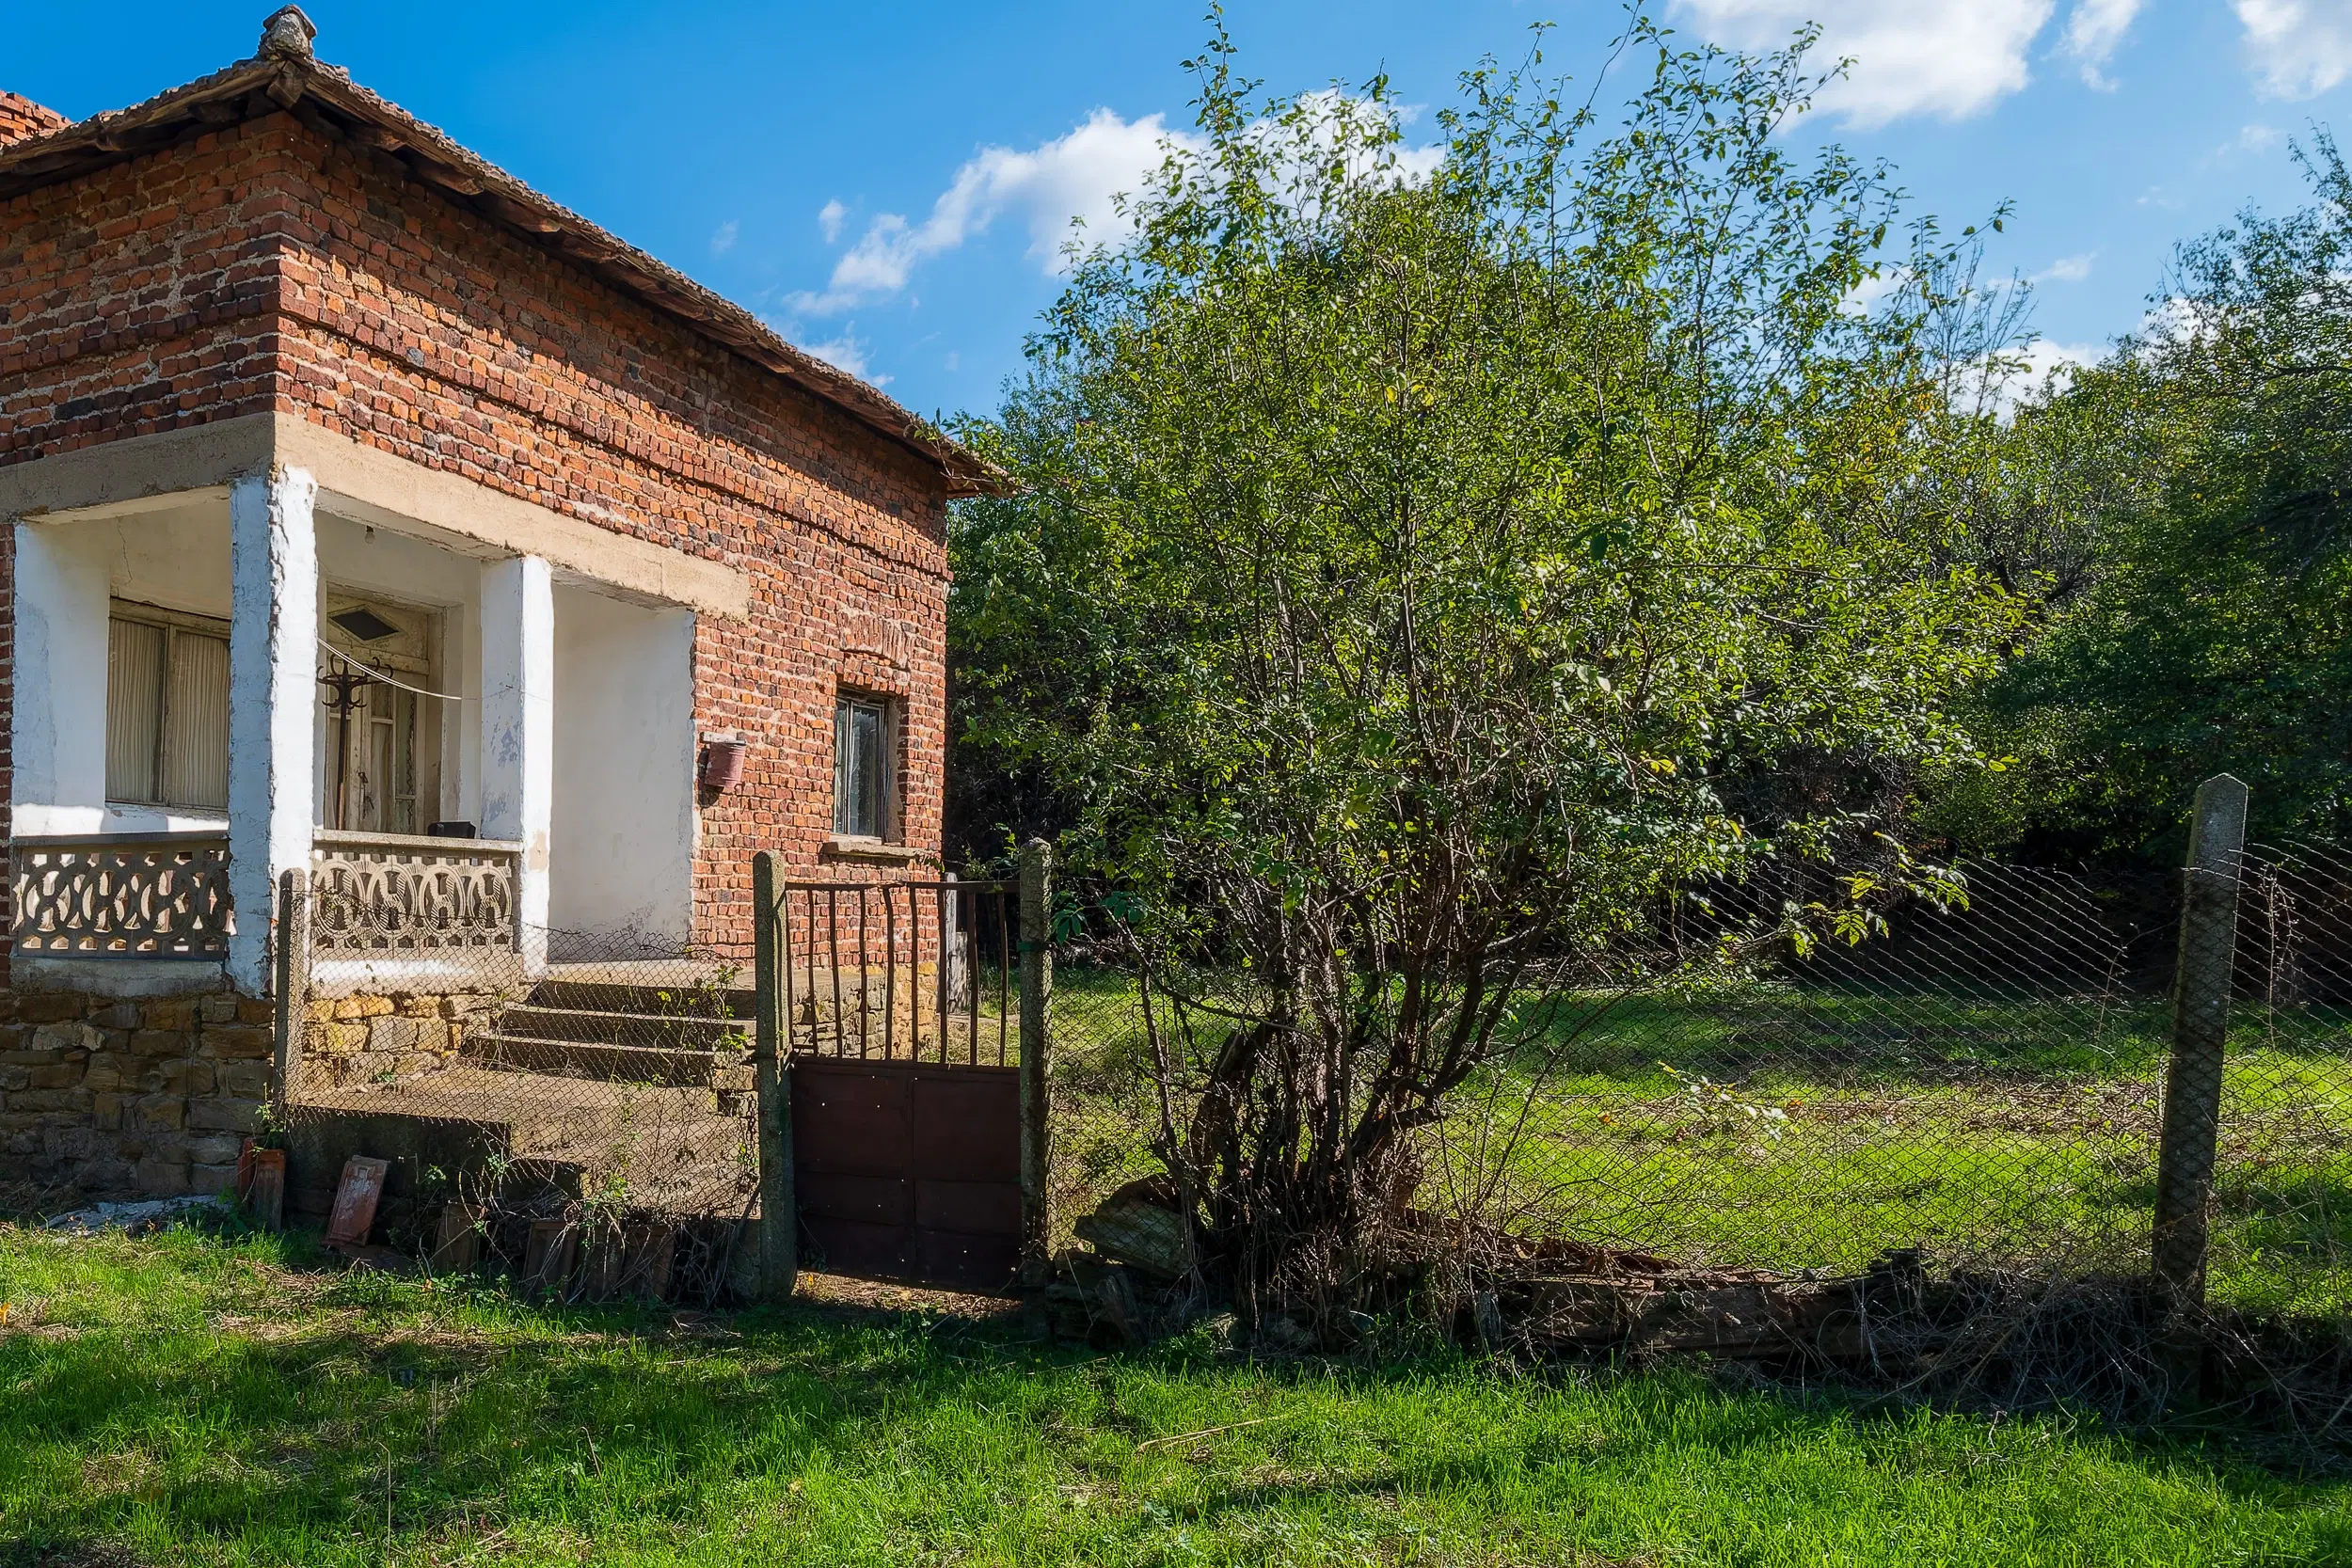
60 154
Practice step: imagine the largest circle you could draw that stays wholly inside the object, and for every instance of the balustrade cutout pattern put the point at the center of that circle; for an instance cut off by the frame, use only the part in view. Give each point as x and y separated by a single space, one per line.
123 896
380 893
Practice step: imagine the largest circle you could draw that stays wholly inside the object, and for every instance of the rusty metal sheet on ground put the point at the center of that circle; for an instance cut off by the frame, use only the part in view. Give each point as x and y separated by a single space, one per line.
356 1197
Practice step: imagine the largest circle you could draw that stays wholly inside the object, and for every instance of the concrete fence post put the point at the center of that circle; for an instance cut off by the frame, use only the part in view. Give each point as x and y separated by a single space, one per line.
2190 1139
293 977
1037 1027
771 1078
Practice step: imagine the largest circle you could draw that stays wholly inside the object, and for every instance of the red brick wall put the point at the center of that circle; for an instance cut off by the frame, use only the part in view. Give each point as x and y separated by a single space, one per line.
272 267
21 117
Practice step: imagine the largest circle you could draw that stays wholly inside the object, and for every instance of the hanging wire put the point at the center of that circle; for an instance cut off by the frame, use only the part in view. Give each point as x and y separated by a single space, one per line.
374 674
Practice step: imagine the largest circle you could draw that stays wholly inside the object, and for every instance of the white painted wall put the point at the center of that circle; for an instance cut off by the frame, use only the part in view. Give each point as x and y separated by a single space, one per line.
622 826
65 574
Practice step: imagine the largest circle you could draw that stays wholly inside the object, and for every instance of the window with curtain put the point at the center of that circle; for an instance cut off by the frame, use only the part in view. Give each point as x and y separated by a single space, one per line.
166 709
862 771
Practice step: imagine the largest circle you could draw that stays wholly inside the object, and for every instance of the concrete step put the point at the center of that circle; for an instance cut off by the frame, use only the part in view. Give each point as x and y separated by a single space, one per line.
662 1032
704 1000
614 1064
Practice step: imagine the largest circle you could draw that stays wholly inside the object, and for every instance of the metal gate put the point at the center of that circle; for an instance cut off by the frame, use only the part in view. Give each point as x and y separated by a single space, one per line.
900 1071
910 1172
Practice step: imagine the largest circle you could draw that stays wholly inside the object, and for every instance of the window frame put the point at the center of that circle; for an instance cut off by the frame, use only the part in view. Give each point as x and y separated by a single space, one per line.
846 701
171 622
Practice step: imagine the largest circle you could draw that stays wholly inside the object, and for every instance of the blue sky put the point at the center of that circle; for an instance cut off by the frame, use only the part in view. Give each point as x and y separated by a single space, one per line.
885 182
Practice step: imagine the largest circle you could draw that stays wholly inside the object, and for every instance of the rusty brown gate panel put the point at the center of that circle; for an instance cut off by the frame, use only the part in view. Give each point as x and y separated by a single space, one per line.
908 1170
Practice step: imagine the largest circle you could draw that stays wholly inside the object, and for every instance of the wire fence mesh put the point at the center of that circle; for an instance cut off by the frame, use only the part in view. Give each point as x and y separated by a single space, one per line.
1979 1081
588 1124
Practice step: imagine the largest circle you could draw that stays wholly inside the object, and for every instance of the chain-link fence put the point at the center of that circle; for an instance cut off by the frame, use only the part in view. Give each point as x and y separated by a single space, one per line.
587 1124
1979 1080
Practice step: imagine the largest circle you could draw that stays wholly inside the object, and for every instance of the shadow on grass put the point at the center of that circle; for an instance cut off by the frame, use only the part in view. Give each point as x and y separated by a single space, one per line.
286 1433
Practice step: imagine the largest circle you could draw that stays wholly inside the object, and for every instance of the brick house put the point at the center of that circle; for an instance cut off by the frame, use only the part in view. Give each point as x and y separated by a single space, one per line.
371 517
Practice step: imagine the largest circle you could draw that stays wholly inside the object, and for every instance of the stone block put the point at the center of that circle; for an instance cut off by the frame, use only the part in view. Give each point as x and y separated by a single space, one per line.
251 1010
66 1037
64 1075
434 1036
178 1013
246 1080
162 1113
345 1040
118 1015
75 1101
220 1114
162 1042
186 1076
320 1009
47 1055
50 1006
363 1006
105 1110
159 1177
390 1033
418 1007
112 1069
235 1040
207 1180
73 1143
221 1148
217 1010
15 1078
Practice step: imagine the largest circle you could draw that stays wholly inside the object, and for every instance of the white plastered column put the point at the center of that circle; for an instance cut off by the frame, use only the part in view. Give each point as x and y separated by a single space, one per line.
518 725
273 680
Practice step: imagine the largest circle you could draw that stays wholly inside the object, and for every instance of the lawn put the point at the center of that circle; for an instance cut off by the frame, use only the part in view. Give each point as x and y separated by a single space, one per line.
188 1399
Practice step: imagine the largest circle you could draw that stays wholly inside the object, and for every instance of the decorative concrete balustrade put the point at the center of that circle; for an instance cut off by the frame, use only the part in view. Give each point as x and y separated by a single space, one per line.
379 895
123 896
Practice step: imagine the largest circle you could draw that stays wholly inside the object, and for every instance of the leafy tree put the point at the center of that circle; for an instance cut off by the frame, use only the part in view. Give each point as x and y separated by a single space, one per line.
2209 629
1421 572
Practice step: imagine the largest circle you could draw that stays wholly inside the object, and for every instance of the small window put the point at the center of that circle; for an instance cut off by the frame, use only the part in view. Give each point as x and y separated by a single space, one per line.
167 709
861 768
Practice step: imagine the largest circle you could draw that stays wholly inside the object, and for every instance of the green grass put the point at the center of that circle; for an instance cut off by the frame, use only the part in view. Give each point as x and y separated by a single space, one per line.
181 1399
2004 1129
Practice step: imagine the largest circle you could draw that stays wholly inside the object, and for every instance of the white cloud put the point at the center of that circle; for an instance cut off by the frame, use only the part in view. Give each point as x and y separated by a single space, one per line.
1864 297
1952 58
2093 28
2249 139
2043 357
2066 269
1071 178
2000 385
1075 179
2299 48
847 353
723 240
829 218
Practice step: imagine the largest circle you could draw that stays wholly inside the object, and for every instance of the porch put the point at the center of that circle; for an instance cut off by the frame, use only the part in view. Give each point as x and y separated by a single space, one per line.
472 752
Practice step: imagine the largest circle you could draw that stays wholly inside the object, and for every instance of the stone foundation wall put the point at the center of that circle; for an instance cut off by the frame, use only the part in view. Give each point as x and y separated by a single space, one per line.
352 1041
109 1098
